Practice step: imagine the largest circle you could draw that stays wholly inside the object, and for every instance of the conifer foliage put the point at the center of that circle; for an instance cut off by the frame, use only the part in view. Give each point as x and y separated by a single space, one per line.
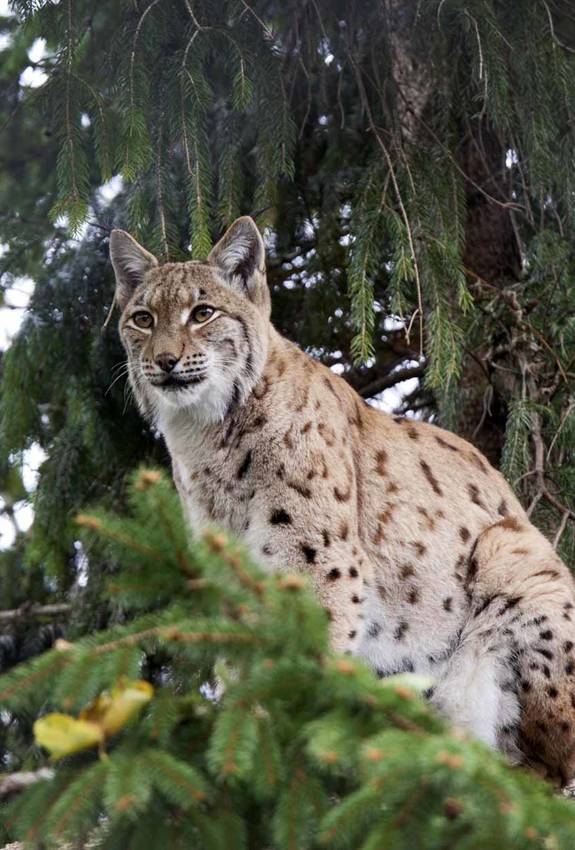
298 750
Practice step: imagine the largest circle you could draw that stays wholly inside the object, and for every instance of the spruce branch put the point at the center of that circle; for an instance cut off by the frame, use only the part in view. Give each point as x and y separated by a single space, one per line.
14 783
30 610
380 384
399 198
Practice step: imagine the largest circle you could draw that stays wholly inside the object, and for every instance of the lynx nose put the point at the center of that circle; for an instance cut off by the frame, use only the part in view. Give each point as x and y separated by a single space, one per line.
166 361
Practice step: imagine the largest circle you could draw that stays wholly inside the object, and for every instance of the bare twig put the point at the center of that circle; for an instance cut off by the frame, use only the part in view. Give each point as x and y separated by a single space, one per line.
28 611
381 384
552 31
13 783
560 530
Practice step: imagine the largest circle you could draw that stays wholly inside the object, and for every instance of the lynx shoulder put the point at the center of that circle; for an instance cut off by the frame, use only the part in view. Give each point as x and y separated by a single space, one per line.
415 545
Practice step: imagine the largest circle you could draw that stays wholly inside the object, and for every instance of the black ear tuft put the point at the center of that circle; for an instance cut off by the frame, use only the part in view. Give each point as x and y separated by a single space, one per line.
240 256
130 262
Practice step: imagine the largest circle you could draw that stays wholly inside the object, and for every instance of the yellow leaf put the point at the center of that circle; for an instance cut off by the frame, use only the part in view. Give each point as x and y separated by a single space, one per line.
111 711
62 735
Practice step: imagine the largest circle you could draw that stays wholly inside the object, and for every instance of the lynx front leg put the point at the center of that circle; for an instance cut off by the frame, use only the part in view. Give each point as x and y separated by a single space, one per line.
335 562
339 580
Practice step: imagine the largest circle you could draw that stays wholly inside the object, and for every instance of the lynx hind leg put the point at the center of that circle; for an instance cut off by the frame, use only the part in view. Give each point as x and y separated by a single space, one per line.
521 600
474 691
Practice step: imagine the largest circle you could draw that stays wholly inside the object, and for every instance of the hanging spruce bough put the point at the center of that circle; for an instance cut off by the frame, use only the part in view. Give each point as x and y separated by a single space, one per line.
414 159
303 750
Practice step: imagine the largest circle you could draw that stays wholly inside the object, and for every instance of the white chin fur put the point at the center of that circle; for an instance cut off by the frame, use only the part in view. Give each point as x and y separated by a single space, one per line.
207 402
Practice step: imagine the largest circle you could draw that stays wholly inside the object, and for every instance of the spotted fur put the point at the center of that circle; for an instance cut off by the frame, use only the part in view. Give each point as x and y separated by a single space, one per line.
418 549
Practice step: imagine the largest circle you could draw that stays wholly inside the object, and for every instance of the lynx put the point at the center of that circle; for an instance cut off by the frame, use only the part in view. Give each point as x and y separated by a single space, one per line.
417 548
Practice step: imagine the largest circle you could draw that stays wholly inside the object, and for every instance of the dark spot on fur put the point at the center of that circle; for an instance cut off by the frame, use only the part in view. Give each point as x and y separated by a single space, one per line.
373 630
473 491
380 461
510 523
464 533
326 434
353 572
352 634
525 685
445 444
546 635
325 536
502 510
280 517
413 596
280 471
412 433
358 421
511 603
546 671
432 480
429 521
355 599
568 646
333 574
309 553
330 387
400 631
305 428
569 667
342 496
299 488
546 653
553 692
304 399
344 531
477 461
406 571
472 568
447 603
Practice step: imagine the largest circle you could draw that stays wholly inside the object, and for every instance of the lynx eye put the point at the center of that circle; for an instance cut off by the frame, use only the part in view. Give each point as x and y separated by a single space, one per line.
202 314
143 320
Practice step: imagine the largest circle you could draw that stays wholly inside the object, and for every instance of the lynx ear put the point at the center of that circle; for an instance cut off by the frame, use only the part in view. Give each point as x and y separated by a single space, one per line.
240 257
130 262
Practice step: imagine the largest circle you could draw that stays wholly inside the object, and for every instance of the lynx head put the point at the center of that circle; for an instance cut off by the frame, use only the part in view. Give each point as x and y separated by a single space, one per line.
196 333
